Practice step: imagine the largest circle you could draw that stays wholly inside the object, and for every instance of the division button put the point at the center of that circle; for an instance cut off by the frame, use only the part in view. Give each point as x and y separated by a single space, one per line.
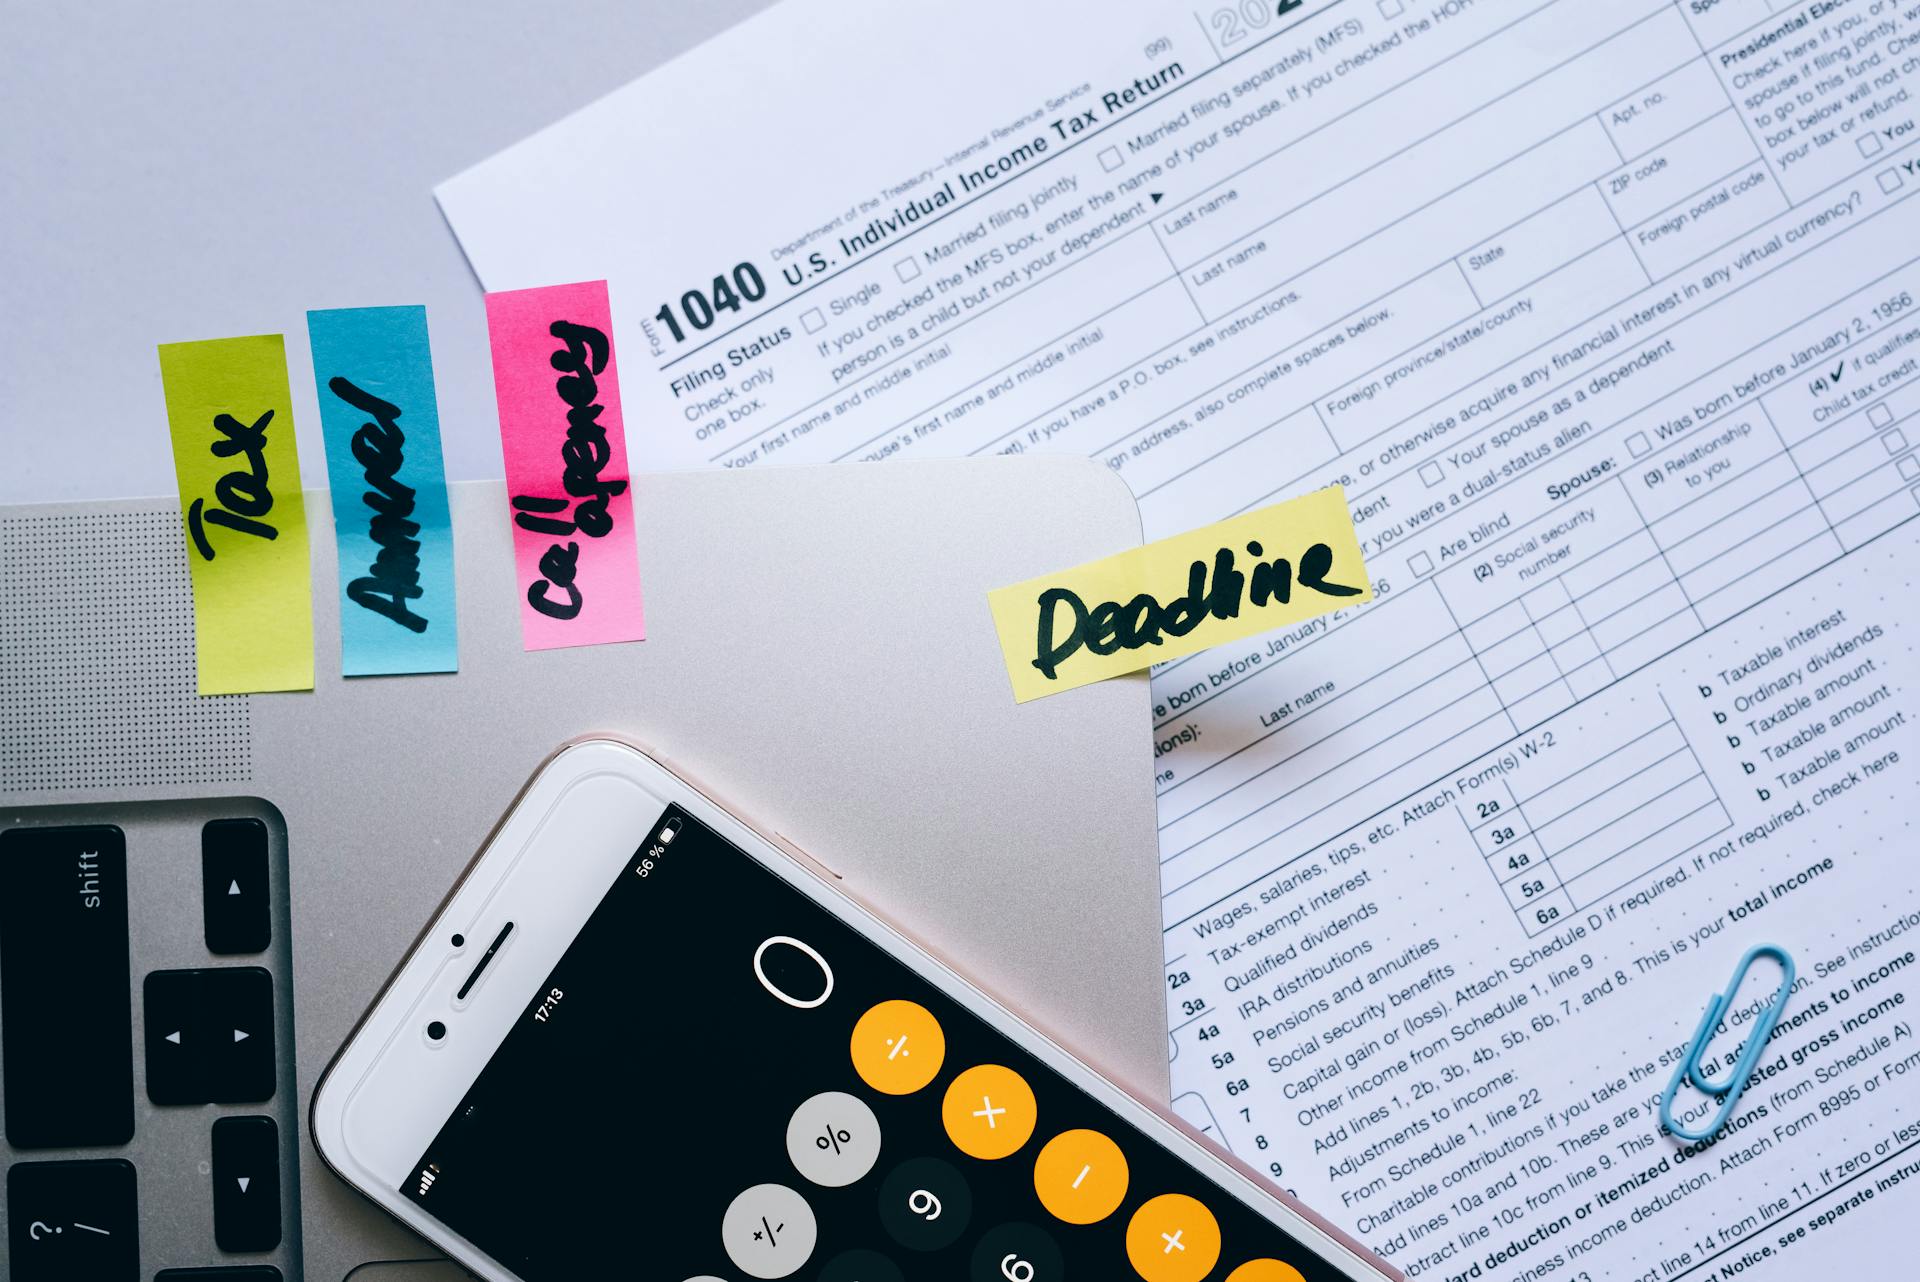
833 1139
768 1231
1016 1253
925 1204
898 1047
1265 1271
1081 1177
861 1266
1173 1238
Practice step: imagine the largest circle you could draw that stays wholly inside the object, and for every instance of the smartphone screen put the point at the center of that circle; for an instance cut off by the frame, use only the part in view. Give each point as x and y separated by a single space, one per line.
722 1080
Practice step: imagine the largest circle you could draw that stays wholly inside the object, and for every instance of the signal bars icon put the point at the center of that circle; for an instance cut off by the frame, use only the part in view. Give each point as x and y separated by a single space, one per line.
427 1177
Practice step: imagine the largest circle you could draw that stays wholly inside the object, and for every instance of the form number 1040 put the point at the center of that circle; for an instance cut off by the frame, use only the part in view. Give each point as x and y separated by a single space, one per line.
699 306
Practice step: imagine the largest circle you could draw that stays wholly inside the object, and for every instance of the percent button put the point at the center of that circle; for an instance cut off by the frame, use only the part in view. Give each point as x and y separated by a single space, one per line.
833 1139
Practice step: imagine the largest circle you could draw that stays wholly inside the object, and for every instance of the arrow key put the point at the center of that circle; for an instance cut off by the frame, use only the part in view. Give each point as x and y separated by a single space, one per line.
174 1072
234 899
246 1184
210 1036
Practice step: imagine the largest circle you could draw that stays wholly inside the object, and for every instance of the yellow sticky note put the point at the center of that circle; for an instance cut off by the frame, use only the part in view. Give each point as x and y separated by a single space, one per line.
1149 604
231 418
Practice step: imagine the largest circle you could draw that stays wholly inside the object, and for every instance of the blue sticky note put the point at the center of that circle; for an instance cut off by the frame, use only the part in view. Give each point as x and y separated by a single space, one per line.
374 374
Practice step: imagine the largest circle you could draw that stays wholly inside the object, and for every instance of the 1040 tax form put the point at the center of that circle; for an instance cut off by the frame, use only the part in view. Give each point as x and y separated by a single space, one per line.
1604 315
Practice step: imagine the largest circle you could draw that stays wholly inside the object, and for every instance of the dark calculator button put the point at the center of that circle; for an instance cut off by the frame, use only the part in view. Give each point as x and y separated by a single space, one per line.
236 905
861 1266
240 1273
246 1184
210 1036
73 1222
1017 1253
925 1204
66 1005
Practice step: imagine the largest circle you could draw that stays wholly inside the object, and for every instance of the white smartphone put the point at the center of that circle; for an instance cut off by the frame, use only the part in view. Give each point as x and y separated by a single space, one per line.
641 1040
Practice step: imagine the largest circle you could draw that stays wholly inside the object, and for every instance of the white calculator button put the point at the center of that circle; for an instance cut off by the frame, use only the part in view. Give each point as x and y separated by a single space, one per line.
833 1139
768 1231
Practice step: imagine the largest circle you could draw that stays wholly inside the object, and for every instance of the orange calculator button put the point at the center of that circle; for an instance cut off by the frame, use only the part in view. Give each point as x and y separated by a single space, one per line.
1081 1177
1173 1238
1265 1271
989 1112
898 1047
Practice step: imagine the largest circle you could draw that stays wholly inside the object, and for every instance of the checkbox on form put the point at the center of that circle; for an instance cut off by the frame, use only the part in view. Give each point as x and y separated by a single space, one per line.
907 268
1870 145
812 321
1638 444
1432 474
1910 468
1889 180
1880 415
1895 441
1391 8
1110 159
1420 563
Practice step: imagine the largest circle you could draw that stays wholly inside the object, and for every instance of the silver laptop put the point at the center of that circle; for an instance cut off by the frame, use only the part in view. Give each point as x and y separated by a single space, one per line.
198 896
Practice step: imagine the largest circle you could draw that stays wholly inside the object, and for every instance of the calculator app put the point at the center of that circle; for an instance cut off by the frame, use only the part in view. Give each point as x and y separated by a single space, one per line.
721 1081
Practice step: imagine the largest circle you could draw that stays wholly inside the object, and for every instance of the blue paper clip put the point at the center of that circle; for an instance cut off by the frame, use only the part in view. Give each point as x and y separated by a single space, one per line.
1736 1079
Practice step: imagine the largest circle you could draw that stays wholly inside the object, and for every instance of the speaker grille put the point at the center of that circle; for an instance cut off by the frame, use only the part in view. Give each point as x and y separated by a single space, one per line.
96 660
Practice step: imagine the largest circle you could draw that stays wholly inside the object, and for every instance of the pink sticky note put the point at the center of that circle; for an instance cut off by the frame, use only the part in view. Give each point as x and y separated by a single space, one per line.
571 503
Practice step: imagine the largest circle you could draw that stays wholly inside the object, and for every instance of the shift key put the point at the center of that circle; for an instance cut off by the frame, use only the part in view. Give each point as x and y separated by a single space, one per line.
66 1003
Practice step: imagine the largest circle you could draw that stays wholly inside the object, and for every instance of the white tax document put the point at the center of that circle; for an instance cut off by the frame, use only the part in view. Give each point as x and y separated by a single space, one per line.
1604 314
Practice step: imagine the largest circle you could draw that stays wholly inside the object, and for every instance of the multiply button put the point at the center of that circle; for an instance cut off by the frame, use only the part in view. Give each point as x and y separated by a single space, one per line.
768 1231
898 1047
833 1139
989 1112
1173 1238
1265 1271
1081 1177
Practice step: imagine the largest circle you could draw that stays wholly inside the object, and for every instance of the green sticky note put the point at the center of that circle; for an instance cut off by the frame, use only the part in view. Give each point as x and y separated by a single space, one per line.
231 419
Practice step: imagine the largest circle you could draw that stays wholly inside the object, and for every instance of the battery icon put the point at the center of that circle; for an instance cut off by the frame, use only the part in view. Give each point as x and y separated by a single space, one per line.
669 830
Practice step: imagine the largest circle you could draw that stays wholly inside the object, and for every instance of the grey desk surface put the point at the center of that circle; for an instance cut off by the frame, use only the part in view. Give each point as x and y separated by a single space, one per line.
181 171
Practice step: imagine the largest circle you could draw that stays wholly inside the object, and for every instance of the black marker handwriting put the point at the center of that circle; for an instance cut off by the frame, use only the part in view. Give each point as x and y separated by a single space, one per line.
583 456
244 496
559 565
379 448
1112 626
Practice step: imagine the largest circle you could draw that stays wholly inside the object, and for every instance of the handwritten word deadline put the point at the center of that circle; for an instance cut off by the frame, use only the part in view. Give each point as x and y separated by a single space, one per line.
1180 595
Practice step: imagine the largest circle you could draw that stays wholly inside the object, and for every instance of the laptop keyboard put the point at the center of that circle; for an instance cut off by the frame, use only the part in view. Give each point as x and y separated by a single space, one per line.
145 1045
66 1022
